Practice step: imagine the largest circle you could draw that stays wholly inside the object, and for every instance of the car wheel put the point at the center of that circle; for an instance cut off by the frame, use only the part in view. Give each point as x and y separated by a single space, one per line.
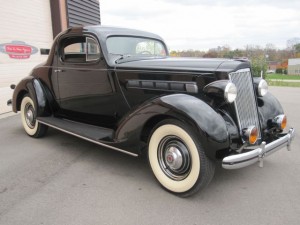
177 158
28 115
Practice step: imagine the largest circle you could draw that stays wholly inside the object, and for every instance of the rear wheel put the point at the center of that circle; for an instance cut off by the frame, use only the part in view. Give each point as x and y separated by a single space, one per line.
28 116
177 158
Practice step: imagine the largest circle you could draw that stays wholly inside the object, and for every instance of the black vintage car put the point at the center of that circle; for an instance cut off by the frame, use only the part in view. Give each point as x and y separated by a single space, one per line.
119 88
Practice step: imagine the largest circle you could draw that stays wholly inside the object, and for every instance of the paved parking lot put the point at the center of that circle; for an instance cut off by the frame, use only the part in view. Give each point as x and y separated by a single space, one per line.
60 179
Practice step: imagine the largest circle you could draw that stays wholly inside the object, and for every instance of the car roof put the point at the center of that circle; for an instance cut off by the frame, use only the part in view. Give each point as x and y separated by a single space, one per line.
106 31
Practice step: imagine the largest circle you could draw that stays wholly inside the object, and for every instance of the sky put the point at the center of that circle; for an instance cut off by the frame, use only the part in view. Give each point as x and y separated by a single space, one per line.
205 24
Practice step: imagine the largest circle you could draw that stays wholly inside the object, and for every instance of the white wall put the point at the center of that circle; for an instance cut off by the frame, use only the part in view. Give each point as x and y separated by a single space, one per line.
28 21
293 62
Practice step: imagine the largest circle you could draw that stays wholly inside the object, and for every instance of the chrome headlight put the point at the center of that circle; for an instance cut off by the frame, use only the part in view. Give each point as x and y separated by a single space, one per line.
262 88
280 121
250 134
230 92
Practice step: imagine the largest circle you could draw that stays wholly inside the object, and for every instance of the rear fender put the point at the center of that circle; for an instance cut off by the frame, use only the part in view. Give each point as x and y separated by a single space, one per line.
20 90
207 123
36 90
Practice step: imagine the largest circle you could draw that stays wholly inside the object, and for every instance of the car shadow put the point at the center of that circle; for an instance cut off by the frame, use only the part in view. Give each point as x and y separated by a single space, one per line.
137 169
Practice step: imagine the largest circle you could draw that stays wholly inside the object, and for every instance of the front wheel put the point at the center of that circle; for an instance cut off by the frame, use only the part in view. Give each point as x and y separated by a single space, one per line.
177 158
28 116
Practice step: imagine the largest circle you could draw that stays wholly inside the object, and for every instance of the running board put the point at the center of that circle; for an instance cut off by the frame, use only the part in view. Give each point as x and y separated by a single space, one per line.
87 132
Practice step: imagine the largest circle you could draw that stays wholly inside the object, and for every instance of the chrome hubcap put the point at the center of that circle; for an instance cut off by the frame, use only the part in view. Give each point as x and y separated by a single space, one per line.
29 115
174 158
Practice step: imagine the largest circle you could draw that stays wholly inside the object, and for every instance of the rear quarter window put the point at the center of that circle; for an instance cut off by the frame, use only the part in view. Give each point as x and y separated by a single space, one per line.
79 50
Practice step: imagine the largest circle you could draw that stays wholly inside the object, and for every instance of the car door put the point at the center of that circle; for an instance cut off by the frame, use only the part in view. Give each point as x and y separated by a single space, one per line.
87 90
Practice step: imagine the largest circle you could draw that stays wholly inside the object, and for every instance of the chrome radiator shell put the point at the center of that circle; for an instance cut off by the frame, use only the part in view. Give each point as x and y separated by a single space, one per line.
245 104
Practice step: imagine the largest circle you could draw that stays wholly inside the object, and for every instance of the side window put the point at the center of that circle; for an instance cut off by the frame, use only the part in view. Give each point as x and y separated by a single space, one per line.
93 51
76 48
79 50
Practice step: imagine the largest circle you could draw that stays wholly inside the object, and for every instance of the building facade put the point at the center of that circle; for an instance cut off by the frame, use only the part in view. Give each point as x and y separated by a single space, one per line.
294 66
28 26
273 65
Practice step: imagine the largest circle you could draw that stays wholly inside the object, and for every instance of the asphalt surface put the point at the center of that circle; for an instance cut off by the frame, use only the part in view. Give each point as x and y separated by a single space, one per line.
61 179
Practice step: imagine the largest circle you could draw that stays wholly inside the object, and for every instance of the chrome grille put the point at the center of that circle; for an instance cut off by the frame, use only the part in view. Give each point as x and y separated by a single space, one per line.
245 103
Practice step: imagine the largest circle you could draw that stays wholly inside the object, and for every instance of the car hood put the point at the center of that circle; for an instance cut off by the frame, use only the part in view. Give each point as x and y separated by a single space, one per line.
180 64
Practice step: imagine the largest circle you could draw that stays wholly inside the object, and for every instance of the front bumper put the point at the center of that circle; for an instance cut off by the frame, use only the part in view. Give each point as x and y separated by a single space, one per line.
257 155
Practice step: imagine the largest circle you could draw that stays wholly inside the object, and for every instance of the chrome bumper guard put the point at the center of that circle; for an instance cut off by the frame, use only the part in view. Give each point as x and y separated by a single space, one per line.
257 155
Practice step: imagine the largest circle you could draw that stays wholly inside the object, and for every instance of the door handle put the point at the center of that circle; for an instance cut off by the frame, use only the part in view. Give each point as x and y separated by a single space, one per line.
56 71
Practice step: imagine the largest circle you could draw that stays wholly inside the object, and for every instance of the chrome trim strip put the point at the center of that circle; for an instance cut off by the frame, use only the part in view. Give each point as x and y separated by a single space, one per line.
162 71
189 87
257 155
90 140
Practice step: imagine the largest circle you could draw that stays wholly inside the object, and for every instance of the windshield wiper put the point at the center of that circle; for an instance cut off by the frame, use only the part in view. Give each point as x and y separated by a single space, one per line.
122 57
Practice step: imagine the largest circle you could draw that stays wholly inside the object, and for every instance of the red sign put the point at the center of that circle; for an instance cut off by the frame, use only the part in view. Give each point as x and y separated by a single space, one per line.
18 50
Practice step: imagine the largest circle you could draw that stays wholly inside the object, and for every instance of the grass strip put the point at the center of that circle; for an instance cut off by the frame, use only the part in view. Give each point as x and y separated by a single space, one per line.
277 76
282 83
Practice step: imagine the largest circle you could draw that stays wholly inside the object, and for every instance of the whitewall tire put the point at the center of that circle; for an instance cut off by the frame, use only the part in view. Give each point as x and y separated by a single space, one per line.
177 158
28 116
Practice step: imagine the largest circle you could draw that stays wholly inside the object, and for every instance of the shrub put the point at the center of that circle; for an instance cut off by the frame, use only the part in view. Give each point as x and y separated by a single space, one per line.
281 71
259 64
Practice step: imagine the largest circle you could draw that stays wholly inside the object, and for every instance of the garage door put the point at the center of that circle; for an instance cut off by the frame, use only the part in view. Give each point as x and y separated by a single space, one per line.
25 29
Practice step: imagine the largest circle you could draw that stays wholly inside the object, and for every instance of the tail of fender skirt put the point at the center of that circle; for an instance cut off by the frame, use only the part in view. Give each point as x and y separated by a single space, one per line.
9 102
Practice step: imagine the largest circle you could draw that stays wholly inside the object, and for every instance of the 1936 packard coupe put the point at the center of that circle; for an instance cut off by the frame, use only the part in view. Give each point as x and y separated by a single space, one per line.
120 89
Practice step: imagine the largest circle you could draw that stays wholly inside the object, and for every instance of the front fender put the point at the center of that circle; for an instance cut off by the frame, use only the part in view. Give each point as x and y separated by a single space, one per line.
207 123
268 108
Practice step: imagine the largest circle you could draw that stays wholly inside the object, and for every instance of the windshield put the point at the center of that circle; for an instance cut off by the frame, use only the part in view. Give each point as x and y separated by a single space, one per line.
135 46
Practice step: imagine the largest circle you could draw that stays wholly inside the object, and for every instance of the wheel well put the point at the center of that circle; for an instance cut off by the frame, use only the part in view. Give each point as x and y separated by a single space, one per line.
19 98
150 124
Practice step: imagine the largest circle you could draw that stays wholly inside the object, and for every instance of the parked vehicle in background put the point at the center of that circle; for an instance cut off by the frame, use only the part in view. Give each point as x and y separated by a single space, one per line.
270 71
119 88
